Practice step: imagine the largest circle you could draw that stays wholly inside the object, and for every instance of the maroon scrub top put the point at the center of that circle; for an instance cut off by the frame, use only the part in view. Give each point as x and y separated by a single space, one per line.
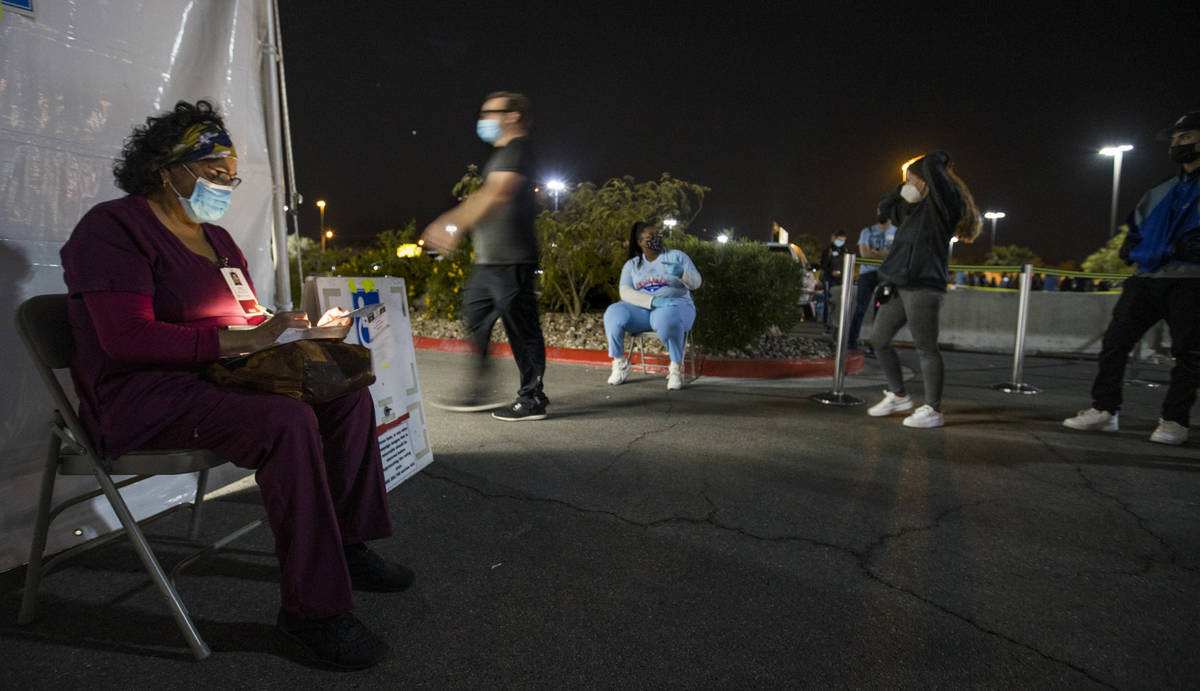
121 246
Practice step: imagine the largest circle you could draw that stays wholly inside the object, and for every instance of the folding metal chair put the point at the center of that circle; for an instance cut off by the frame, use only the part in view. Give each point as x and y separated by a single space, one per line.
44 328
637 342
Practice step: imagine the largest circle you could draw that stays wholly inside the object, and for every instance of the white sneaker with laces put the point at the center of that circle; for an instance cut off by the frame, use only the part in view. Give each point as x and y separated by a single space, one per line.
924 417
1169 432
1092 420
674 377
891 403
620 370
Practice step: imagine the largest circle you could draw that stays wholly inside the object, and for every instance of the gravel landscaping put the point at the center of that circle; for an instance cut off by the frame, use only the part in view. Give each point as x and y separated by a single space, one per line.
587 332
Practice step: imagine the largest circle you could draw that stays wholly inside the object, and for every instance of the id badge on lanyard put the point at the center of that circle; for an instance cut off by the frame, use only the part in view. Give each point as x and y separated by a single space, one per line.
240 287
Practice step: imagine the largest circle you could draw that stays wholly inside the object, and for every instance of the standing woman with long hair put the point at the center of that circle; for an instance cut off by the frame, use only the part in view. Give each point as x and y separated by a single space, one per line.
934 206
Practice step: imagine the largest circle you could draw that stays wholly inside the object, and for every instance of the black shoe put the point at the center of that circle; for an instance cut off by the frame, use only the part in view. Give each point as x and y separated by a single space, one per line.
518 412
542 399
466 404
371 572
340 641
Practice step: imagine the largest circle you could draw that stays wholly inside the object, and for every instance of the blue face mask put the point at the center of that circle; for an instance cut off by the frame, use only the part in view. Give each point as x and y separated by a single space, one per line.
839 243
488 130
208 201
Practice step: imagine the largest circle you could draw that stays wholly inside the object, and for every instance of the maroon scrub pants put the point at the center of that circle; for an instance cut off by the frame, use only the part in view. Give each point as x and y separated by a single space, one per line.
320 474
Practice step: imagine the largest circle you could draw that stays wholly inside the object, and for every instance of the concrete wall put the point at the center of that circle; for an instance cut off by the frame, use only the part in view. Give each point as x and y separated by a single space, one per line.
1058 324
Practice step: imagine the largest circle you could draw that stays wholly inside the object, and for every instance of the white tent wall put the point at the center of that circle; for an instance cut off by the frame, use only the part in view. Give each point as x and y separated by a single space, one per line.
74 82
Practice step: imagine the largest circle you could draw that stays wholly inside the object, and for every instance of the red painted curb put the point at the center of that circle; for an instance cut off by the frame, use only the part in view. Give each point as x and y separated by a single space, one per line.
709 367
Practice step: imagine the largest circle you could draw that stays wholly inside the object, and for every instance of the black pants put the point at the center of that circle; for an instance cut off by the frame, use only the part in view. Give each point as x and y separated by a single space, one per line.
505 292
1143 302
862 300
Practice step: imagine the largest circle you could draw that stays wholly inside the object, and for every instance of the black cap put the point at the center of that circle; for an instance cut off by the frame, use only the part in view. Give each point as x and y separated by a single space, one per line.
1190 121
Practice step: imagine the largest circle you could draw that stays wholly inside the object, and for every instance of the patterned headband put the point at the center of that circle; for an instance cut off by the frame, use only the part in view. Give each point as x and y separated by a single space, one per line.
200 142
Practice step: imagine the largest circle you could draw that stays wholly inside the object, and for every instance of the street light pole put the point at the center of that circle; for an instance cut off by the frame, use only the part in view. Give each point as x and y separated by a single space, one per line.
1117 153
321 206
994 216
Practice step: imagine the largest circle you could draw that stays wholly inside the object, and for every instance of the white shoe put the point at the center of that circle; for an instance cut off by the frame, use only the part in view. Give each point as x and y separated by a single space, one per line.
891 403
620 370
1092 420
1169 432
924 417
674 377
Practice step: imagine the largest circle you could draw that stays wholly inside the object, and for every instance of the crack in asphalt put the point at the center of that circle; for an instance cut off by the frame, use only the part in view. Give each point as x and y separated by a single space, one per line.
861 557
629 447
1148 562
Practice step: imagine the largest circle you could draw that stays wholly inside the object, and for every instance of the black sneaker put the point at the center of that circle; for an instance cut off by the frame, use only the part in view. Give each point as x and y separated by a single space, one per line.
542 399
339 642
518 412
469 404
371 572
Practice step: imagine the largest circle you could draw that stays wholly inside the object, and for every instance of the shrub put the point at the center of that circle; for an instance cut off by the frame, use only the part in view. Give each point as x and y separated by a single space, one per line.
747 290
447 278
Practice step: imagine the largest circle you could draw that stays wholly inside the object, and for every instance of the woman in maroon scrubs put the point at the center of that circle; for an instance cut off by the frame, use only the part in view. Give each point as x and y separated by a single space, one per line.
153 284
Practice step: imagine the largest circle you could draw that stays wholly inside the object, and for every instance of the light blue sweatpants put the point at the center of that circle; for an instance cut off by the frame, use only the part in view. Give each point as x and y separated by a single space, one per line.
670 324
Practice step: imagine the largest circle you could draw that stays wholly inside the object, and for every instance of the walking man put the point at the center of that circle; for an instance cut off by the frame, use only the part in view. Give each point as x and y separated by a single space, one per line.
500 217
1164 241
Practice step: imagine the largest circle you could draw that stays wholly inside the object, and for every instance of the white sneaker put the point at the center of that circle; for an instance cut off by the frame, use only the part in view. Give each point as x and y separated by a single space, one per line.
1092 420
1169 432
924 417
891 403
620 370
674 377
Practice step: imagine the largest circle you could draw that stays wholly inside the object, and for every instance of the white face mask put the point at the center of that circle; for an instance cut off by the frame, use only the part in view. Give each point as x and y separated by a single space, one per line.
911 194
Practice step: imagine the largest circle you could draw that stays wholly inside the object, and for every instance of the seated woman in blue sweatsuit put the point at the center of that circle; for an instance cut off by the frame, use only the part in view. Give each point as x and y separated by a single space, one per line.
656 285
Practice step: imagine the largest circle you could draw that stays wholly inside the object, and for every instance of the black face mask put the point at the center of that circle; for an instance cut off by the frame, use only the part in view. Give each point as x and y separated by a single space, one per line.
654 243
881 219
1183 153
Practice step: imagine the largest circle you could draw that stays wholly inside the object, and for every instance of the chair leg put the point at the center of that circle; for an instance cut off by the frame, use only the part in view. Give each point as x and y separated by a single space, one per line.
33 572
641 346
199 648
198 505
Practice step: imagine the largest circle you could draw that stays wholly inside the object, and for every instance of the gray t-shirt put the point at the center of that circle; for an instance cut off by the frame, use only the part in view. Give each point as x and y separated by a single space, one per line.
506 236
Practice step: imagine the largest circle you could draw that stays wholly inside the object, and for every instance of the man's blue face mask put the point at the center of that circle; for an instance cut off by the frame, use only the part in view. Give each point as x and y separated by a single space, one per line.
839 243
488 130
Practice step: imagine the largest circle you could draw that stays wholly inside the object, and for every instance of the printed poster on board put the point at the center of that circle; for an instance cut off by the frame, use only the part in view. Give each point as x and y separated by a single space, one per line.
399 410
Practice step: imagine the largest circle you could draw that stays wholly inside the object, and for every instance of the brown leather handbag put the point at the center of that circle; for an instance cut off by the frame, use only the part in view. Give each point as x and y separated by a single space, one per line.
313 371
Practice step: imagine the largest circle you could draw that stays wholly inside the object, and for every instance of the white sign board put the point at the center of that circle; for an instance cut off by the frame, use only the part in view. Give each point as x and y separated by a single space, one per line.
399 411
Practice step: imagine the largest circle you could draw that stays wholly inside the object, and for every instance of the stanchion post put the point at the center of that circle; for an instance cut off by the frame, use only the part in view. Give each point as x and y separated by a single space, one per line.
845 310
1015 385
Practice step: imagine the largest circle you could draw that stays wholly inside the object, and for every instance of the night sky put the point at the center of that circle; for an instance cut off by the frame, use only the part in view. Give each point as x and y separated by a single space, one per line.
801 116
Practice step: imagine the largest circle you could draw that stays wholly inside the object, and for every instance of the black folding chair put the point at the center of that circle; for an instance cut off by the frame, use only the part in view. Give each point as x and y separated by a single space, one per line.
44 328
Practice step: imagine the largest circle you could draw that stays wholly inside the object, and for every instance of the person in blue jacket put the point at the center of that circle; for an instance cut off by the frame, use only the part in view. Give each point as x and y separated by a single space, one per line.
1164 241
655 287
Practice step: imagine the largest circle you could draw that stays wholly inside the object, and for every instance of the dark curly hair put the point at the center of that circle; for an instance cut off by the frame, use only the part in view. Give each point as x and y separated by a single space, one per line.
147 150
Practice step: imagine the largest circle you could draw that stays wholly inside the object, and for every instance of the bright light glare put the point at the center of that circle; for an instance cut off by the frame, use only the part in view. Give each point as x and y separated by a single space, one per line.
1114 150
452 229
321 204
556 186
329 233
909 162
994 214
722 238
669 223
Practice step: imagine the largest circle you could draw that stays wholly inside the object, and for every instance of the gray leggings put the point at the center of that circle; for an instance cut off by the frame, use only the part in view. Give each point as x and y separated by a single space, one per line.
919 308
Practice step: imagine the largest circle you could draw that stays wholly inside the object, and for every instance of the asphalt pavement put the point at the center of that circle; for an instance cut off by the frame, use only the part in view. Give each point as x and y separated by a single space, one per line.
734 534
